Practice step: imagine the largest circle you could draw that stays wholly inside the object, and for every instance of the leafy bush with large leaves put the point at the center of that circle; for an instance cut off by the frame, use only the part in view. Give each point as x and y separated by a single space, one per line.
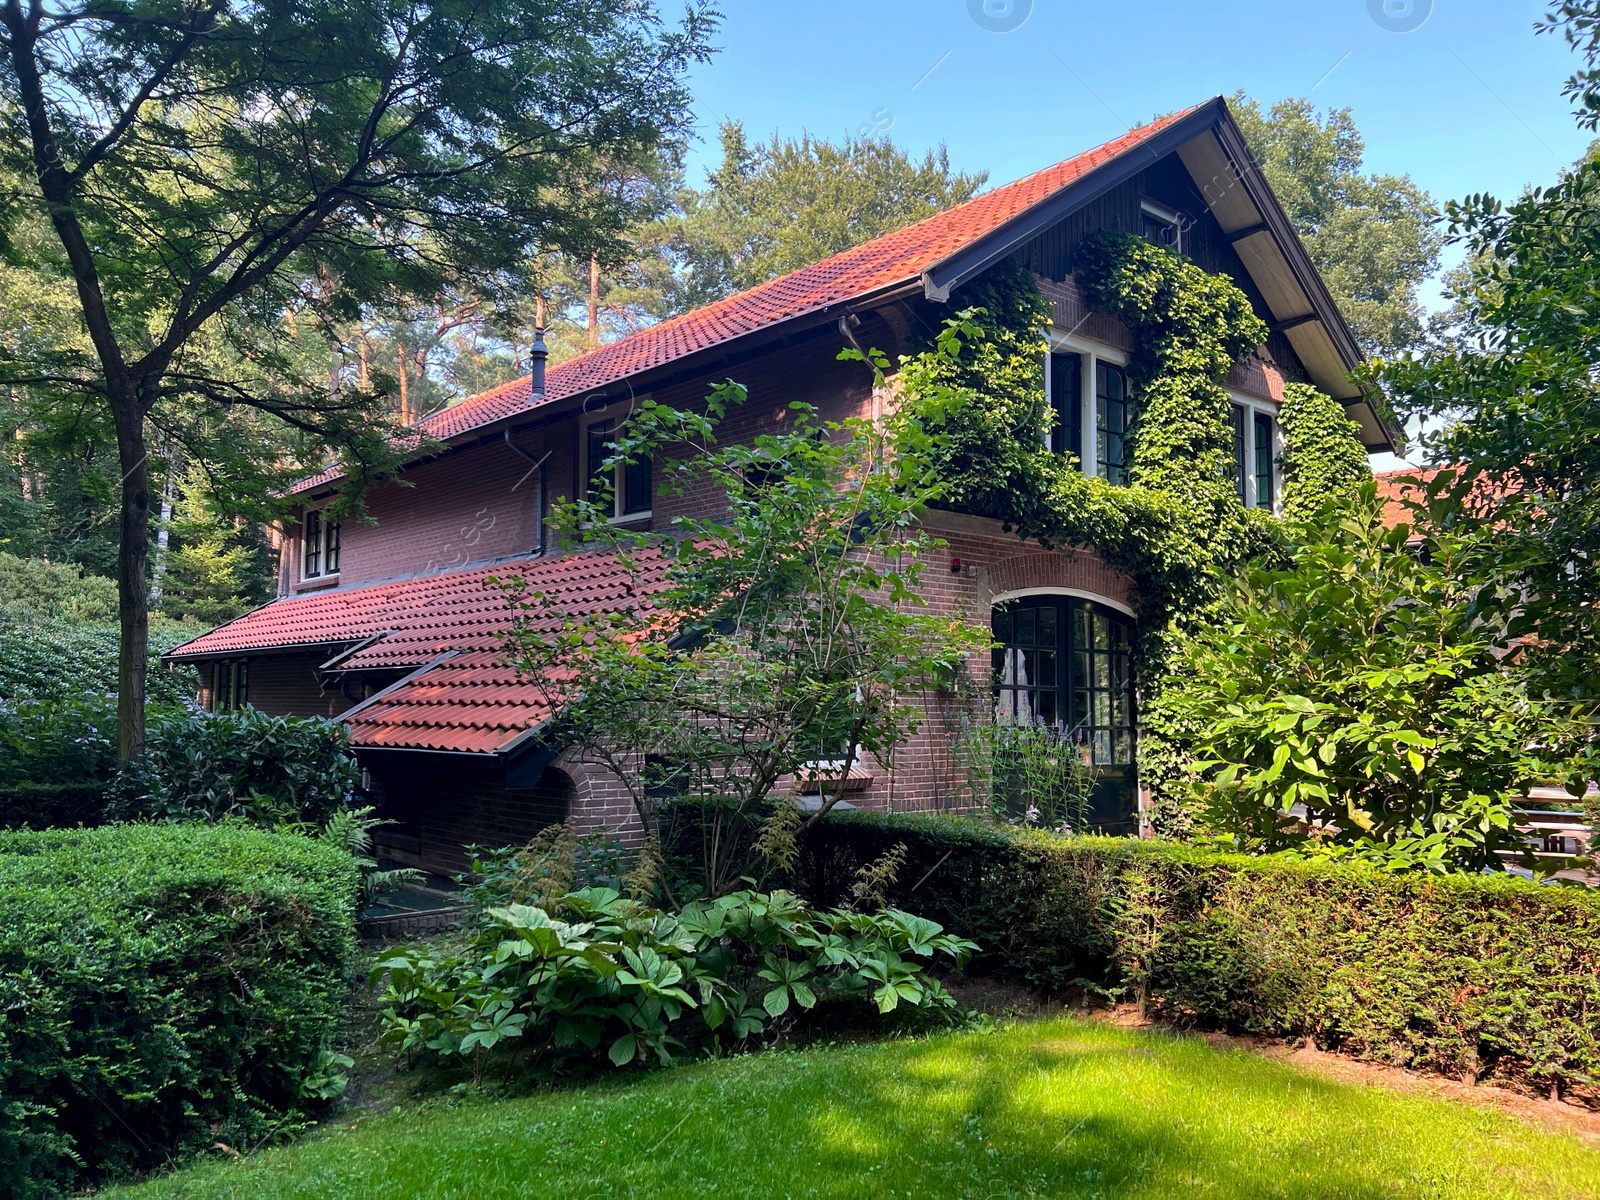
207 766
590 973
1350 704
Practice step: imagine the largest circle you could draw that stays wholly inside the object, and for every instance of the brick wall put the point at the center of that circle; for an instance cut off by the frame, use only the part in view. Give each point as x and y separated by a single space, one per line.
284 685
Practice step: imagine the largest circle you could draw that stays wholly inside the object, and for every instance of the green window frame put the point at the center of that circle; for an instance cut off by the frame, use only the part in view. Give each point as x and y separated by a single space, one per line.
1113 410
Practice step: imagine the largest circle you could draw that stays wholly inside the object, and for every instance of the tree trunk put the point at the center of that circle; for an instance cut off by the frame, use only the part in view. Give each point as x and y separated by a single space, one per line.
400 365
158 565
133 555
594 300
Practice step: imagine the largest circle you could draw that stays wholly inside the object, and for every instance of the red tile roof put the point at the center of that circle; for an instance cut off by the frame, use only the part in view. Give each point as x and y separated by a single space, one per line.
468 699
1392 492
895 258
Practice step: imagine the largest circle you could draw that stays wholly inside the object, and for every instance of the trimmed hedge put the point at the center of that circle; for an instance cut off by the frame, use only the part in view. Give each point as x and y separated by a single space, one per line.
163 988
1464 974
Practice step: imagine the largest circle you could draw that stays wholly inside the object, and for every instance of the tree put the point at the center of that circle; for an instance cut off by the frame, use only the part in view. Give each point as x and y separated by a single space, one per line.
206 164
788 641
1370 236
785 204
1352 705
1513 390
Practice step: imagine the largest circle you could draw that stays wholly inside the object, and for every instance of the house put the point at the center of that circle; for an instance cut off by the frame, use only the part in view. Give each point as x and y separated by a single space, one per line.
394 626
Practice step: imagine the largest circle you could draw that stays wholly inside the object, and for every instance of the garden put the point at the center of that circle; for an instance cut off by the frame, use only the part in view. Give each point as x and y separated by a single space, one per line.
1334 962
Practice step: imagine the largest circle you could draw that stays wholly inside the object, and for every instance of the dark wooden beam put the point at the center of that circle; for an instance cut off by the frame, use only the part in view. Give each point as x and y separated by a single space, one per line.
1291 322
1239 235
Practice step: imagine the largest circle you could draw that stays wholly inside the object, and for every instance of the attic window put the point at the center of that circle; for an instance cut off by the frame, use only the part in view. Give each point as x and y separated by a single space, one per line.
1160 226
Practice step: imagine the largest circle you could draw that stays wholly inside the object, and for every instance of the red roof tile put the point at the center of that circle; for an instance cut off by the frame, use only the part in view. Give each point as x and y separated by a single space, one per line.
895 258
468 699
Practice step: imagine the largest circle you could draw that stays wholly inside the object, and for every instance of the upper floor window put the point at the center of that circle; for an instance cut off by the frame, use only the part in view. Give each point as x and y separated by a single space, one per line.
629 483
1265 460
1254 456
1111 416
1160 226
1240 472
319 547
1066 405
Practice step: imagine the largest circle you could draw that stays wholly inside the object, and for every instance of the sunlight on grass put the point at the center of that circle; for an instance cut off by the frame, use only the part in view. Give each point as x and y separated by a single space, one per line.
1058 1108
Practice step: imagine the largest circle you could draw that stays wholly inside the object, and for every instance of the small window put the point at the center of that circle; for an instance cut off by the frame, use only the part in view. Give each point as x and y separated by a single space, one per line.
1111 417
1161 226
630 483
1264 461
230 685
1066 408
319 542
1236 418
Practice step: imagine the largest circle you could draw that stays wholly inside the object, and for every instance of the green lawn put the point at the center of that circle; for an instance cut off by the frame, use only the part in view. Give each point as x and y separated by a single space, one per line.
1057 1108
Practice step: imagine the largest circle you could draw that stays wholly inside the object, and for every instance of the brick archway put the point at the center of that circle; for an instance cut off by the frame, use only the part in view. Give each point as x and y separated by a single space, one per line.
1081 573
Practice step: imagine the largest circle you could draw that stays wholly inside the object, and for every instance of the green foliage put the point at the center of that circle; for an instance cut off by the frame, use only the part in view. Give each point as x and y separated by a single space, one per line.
1178 529
589 973
272 771
1371 237
786 204
31 587
30 805
61 661
1026 774
1516 403
1323 456
1487 976
797 635
165 988
1350 704
350 829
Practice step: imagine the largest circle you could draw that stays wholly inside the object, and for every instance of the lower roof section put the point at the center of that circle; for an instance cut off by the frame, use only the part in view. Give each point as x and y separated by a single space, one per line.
449 630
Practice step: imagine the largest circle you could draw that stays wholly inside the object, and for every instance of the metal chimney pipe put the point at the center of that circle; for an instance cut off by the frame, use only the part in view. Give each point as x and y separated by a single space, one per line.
537 353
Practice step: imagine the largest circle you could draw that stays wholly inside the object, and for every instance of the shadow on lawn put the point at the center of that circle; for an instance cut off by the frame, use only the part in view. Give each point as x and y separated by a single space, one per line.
1053 1120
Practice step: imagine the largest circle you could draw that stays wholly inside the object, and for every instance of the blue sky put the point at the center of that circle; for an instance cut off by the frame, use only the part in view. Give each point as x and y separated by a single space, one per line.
1469 101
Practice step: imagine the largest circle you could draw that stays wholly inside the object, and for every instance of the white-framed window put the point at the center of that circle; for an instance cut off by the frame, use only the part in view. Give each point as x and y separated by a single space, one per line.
319 546
1096 429
630 484
1257 447
1161 226
230 685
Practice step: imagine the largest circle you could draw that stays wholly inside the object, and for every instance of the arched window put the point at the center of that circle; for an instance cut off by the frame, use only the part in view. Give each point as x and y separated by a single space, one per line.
1067 663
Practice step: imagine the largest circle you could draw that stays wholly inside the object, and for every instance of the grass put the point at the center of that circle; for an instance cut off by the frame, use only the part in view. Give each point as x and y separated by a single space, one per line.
1054 1108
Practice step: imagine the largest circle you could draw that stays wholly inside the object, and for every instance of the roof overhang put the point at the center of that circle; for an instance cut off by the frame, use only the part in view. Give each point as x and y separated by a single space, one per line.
1213 150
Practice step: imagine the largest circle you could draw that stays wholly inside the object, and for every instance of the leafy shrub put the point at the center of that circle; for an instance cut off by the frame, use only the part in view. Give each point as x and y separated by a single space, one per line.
164 988
59 741
1465 974
1354 705
207 766
59 660
594 972
34 587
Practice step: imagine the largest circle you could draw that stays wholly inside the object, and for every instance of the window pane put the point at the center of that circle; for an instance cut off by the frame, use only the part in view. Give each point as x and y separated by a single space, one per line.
599 449
1122 747
1044 707
1102 630
1025 627
1000 624
312 546
330 539
636 490
1080 668
1236 419
241 687
1066 372
1048 626
1102 746
1048 666
1263 461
